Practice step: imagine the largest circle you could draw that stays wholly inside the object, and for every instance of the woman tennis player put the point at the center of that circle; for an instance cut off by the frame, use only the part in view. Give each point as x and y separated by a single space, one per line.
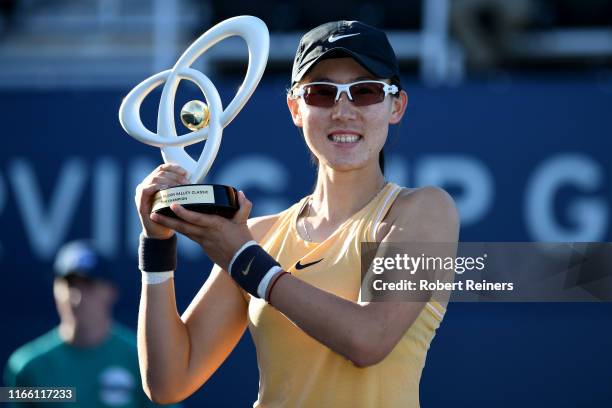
293 278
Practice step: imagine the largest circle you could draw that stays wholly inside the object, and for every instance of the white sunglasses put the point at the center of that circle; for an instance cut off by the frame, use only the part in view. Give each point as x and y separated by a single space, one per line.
361 93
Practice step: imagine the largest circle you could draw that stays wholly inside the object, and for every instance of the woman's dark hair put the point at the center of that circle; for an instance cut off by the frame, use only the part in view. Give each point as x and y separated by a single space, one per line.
381 160
381 156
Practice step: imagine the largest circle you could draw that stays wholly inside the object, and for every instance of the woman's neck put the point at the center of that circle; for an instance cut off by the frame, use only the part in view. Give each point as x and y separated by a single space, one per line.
340 194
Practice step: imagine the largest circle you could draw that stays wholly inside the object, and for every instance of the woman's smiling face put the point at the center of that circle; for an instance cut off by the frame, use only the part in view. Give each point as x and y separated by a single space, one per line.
345 136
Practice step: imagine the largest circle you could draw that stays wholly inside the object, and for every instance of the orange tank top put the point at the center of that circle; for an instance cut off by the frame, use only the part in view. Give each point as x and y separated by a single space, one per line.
296 370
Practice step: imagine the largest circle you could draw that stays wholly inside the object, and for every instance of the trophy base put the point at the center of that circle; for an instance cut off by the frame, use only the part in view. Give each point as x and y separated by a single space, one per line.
203 198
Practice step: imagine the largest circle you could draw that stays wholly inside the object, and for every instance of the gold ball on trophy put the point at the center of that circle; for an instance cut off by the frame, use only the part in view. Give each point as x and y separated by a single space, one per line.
195 115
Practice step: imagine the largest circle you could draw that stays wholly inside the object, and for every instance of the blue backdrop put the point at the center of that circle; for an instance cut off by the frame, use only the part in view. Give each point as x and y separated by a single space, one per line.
525 159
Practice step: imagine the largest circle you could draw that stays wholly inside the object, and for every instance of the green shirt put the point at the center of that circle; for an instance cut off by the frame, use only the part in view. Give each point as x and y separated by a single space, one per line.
105 375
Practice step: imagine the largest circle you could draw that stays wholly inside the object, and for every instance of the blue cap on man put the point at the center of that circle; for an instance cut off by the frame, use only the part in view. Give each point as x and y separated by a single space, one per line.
81 258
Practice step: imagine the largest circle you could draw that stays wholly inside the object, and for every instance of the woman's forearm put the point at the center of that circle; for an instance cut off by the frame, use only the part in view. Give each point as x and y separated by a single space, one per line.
363 333
341 325
163 343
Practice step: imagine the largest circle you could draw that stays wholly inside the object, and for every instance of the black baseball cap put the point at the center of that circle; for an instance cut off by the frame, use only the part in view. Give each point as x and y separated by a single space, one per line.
367 45
81 258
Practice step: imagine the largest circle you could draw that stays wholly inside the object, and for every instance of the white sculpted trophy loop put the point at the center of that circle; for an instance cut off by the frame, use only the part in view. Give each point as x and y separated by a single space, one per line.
204 122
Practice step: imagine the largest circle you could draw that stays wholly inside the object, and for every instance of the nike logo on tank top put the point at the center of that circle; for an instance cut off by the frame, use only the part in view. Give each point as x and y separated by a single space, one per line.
299 266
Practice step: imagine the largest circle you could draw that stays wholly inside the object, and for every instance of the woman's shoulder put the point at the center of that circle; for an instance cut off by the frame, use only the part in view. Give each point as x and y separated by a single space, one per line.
259 226
421 198
418 205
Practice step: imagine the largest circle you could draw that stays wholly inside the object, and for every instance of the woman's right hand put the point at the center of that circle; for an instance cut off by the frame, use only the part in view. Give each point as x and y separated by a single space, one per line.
164 176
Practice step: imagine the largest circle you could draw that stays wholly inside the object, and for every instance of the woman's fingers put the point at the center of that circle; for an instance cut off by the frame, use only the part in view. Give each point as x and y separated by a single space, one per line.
163 176
197 225
199 219
178 225
242 215
160 181
169 176
211 220
174 168
150 189
168 173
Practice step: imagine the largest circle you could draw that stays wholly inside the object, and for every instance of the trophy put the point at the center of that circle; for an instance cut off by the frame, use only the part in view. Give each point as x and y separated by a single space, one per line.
205 122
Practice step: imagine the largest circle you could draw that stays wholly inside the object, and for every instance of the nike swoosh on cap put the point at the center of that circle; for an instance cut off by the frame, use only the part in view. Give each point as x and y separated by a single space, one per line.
299 266
333 38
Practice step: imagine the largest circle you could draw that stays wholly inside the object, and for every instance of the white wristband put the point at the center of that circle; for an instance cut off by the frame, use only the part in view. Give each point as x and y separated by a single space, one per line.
262 288
154 278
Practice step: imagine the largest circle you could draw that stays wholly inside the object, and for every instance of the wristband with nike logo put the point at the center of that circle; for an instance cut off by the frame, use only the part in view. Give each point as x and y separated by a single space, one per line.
252 268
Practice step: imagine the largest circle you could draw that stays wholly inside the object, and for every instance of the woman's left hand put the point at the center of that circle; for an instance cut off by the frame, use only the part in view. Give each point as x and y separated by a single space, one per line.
219 237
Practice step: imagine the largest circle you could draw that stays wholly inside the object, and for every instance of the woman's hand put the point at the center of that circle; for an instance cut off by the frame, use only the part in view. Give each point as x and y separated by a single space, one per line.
219 237
164 176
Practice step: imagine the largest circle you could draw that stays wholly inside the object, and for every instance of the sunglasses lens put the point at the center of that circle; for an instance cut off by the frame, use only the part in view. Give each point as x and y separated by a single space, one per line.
363 94
322 95
367 93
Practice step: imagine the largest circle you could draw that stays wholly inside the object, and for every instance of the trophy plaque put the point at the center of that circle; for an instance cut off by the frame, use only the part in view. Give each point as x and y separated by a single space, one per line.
205 122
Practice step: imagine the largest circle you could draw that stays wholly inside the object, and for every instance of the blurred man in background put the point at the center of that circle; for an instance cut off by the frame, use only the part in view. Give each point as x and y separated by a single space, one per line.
486 28
88 350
